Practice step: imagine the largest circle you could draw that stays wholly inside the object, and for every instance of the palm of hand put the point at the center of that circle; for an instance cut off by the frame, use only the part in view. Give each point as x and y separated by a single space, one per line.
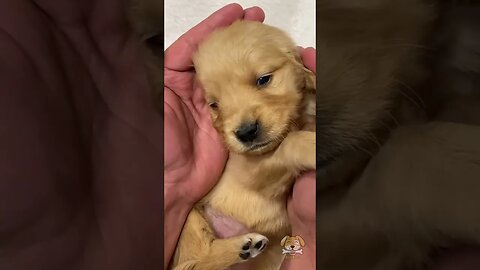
190 134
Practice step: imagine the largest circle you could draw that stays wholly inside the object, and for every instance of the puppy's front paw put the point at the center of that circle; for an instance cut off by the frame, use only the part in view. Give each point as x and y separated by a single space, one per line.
253 245
298 149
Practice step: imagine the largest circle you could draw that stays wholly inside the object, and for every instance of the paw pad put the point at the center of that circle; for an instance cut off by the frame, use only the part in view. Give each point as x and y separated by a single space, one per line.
253 245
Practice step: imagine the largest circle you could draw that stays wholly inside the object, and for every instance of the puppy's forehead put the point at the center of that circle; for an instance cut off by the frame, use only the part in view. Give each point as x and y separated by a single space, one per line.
251 46
249 33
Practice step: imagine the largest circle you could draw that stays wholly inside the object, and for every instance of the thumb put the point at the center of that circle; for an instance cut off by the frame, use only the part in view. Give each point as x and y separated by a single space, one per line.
301 204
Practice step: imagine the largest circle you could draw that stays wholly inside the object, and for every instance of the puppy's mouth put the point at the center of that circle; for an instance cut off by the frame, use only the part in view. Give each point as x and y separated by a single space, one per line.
264 146
260 145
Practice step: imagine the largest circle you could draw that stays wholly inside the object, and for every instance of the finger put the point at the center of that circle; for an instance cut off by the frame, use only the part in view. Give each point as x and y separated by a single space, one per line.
300 50
309 58
302 203
308 175
179 55
254 14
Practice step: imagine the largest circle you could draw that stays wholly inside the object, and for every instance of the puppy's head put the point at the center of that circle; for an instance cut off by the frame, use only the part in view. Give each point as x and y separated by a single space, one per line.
253 80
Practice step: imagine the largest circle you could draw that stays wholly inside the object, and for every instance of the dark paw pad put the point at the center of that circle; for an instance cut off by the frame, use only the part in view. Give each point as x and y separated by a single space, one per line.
259 245
245 255
252 246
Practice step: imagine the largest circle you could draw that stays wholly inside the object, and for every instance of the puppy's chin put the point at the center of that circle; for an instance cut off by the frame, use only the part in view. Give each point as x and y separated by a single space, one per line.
259 148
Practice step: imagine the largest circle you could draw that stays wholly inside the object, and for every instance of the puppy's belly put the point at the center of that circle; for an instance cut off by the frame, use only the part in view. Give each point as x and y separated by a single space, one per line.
224 226
254 211
236 196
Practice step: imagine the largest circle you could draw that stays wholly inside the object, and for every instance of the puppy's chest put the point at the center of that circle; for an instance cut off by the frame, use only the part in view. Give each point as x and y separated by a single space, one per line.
233 198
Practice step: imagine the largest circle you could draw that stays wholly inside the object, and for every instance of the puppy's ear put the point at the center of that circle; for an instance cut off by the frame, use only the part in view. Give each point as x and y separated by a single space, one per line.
307 75
302 242
310 80
282 243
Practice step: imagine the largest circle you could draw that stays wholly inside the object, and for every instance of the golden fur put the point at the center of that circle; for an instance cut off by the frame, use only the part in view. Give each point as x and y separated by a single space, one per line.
256 181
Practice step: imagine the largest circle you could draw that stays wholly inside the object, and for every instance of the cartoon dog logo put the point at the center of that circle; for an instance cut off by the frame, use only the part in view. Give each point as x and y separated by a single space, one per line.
292 245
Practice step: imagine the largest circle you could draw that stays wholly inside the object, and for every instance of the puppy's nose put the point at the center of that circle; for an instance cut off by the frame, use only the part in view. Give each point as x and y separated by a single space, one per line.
292 246
247 132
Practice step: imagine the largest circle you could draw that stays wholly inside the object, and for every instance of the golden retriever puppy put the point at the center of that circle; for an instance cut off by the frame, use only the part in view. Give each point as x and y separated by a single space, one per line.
261 100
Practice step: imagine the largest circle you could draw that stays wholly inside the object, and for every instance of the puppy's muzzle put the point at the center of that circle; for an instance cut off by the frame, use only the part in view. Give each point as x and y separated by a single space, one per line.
248 132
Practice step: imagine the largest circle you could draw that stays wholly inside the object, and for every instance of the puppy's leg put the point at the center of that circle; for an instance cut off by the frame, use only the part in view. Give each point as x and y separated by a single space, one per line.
295 154
224 253
297 151
198 249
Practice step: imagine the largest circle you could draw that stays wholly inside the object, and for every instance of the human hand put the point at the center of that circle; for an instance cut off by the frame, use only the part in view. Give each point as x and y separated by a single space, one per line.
301 204
194 152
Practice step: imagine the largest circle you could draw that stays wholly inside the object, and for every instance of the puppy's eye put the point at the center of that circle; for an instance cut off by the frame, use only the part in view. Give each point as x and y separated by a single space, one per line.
213 105
264 80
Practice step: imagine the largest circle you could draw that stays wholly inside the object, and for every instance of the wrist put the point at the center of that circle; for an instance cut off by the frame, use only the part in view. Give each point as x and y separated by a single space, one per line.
176 210
306 229
175 206
173 201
